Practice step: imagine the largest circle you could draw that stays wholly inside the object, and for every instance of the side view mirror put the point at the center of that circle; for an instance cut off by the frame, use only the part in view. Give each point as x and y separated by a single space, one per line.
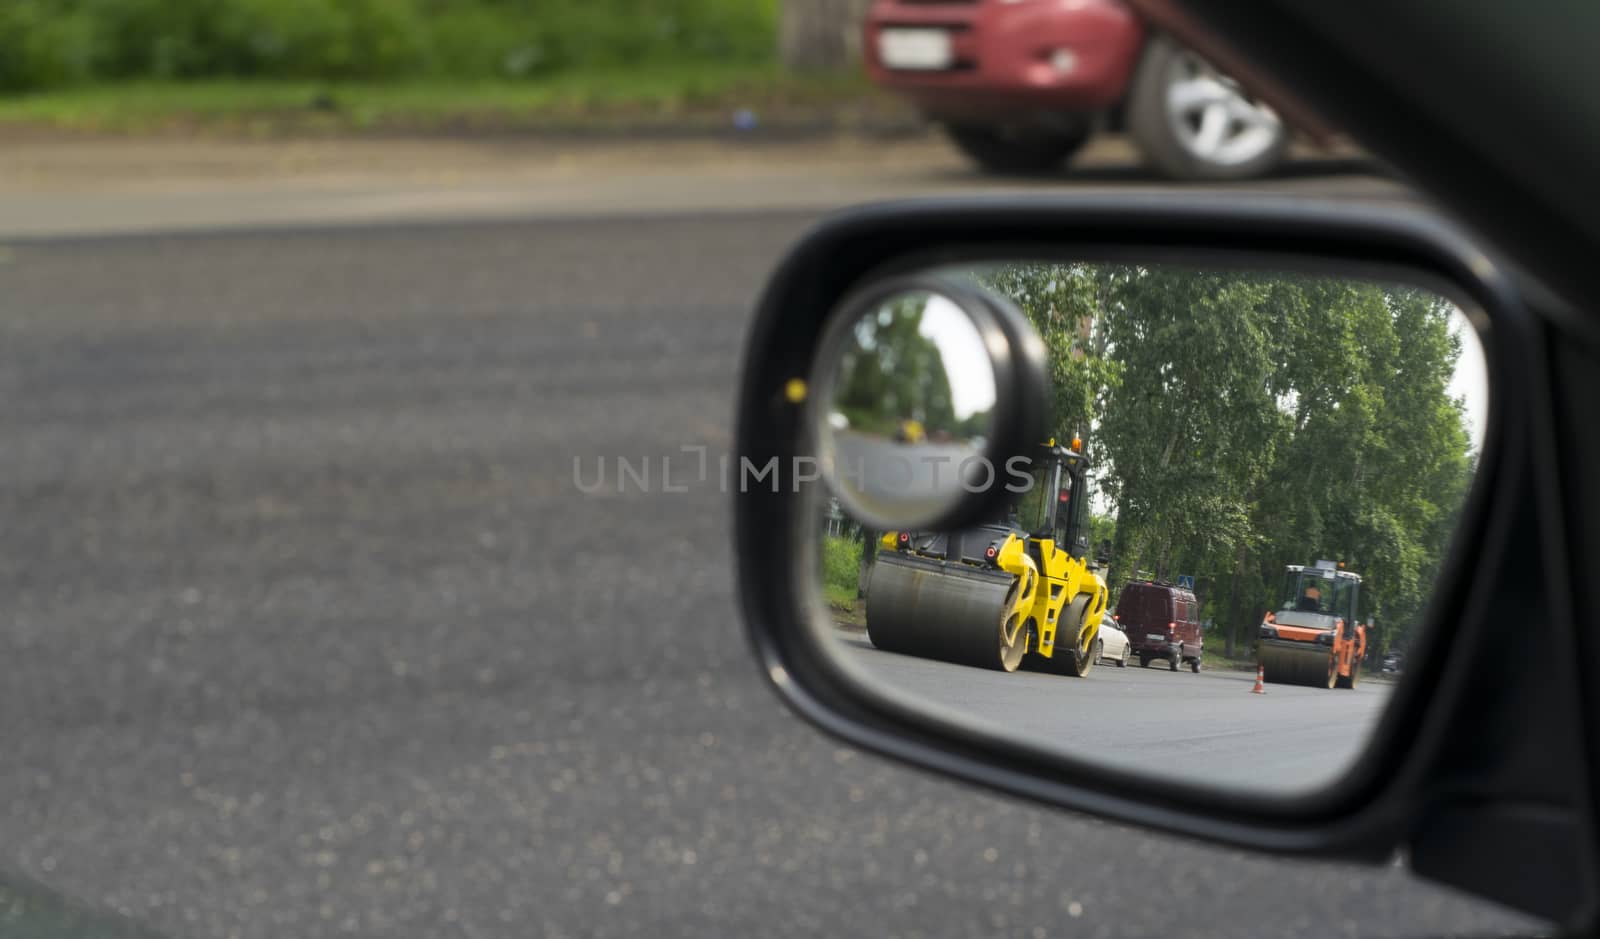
935 361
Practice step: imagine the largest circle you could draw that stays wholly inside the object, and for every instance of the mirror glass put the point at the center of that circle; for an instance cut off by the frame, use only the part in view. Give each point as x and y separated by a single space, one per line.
907 397
1253 475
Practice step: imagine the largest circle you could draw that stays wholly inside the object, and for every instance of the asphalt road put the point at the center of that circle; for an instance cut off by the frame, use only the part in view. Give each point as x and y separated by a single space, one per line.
306 629
1206 728
140 186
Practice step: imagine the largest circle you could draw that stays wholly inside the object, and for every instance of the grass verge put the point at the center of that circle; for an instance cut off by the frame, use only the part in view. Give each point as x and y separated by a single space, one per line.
1211 656
665 95
841 560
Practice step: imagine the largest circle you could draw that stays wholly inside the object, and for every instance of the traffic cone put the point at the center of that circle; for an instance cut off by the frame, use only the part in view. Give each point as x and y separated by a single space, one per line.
1261 677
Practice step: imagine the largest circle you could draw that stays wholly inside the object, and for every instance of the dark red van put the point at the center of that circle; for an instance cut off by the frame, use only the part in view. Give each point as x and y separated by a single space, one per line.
1162 622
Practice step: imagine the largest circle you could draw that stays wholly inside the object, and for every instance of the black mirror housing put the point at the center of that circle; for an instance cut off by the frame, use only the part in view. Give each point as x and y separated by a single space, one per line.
1426 787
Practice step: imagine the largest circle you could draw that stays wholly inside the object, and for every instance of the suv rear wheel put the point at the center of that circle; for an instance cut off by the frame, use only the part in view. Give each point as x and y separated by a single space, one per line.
1193 122
1016 149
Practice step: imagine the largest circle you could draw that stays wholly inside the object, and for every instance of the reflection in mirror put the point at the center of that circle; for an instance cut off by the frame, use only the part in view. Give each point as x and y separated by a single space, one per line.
1212 571
908 399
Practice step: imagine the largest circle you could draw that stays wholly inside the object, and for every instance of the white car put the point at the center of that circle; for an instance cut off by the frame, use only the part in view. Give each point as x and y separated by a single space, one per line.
1113 641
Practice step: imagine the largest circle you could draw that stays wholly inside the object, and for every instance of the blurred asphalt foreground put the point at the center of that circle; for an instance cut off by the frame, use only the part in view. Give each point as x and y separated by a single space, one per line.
308 633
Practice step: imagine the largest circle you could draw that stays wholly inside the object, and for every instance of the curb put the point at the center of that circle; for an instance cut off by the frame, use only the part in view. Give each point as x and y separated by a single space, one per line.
730 126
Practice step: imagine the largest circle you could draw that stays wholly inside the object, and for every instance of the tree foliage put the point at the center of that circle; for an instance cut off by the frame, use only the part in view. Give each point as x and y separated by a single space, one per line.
1241 423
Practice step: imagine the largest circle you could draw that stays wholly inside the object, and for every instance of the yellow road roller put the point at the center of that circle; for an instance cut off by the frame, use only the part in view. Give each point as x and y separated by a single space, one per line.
993 595
1314 637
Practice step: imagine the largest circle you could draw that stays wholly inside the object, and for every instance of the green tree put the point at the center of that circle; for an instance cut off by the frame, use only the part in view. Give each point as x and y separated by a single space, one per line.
1377 464
1190 431
1241 423
1066 304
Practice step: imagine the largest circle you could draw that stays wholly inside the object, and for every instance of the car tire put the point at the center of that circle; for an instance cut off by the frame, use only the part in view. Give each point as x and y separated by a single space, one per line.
1194 665
1144 661
1173 661
1123 662
1014 151
1193 123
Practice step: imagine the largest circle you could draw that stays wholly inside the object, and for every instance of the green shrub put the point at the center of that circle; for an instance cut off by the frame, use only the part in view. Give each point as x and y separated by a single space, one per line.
259 38
49 43
841 567
316 39
41 47
153 38
480 42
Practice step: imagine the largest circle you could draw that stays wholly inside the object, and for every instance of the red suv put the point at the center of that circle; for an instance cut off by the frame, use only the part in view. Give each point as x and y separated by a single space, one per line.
1162 622
1020 84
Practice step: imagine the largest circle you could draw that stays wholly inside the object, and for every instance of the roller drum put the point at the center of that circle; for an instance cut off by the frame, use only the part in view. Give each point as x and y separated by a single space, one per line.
1287 662
949 611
